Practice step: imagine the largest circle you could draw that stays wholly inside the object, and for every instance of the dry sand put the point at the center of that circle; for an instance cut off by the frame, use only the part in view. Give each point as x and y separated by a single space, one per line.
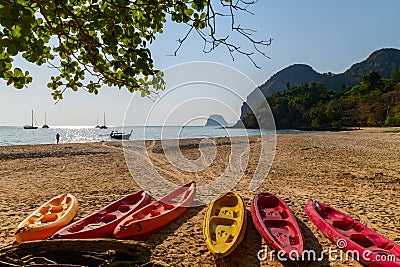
357 172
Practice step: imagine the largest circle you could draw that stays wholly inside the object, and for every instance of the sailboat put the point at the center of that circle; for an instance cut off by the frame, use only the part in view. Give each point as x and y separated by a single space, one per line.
97 124
104 123
45 126
30 126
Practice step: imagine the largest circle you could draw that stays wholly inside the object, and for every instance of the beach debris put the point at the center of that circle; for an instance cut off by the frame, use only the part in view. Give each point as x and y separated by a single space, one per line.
74 252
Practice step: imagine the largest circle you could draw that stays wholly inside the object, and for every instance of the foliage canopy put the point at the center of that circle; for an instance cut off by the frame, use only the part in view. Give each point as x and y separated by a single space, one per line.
106 40
373 102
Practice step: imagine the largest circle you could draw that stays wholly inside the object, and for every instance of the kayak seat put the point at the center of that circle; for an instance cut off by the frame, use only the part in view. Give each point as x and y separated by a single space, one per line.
124 208
49 218
108 218
154 213
362 240
283 232
146 212
62 200
274 214
224 234
34 219
284 214
223 230
341 225
44 210
228 201
56 209
227 212
78 227
168 206
268 202
357 226
276 223
59 201
380 242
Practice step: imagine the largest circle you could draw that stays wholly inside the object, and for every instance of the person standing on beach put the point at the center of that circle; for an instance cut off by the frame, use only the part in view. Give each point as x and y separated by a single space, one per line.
57 137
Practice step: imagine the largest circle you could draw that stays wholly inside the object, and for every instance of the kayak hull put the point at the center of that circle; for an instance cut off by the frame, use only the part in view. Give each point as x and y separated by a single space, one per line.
103 222
158 214
225 224
47 219
277 225
351 235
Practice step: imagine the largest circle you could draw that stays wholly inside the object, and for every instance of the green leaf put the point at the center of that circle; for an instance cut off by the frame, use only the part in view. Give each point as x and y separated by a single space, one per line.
189 12
18 72
12 49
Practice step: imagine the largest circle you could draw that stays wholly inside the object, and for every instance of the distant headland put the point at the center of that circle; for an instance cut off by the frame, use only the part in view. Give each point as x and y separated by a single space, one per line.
216 120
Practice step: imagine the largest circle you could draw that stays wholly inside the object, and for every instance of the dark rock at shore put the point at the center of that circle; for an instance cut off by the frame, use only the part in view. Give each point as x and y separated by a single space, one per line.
216 120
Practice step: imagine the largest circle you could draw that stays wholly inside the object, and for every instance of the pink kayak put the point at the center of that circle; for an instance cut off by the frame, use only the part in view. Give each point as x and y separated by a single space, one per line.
157 214
350 235
277 224
102 222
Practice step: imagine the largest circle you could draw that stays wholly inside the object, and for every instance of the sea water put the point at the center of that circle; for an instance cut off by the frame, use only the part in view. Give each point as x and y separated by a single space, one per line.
16 135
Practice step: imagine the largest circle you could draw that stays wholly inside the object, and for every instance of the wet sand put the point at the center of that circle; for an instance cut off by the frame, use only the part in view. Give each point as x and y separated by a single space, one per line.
357 172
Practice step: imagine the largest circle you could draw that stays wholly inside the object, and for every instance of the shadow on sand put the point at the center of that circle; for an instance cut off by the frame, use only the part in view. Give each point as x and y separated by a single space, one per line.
311 243
157 237
246 253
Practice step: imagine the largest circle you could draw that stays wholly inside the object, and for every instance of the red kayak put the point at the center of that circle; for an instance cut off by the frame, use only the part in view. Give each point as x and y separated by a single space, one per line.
277 224
350 235
157 214
103 222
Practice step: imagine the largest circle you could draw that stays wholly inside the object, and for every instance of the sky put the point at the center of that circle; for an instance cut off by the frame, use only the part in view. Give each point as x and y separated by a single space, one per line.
330 36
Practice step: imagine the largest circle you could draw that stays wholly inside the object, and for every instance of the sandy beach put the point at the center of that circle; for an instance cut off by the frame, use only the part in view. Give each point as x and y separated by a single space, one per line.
357 172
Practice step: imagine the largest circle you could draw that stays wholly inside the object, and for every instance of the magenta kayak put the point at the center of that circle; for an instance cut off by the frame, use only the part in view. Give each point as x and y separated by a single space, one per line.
103 222
369 247
277 224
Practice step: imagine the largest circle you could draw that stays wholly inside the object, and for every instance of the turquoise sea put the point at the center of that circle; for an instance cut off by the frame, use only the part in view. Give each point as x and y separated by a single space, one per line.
16 135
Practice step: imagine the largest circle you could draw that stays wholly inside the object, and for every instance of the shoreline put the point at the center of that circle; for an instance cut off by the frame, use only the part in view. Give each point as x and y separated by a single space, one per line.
357 172
282 132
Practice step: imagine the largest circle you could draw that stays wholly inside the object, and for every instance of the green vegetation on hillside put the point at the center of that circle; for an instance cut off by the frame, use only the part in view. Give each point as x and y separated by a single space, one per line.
383 61
373 102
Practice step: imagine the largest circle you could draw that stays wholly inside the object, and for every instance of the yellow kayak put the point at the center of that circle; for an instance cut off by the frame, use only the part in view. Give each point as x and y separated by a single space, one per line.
47 219
225 224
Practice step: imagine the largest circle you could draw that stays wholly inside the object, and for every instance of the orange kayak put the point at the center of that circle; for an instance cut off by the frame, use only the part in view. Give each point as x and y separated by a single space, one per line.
47 219
157 214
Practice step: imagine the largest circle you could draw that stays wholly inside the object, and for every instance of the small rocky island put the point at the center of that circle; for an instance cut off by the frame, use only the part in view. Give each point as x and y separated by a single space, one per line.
216 120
